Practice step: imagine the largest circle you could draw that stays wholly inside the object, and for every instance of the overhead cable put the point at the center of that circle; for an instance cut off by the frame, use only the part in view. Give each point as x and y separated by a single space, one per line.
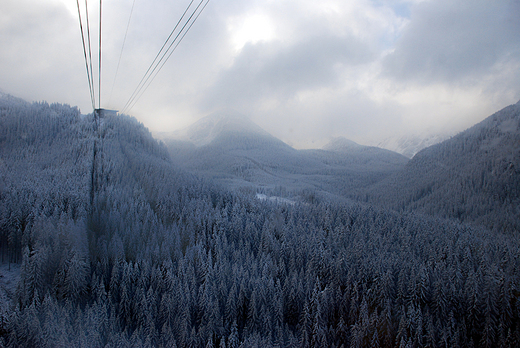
157 65
121 53
169 55
99 64
90 55
146 74
90 82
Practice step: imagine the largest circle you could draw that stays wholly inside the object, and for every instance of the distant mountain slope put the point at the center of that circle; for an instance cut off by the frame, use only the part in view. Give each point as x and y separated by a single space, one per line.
216 125
367 156
116 246
409 145
341 144
237 153
473 177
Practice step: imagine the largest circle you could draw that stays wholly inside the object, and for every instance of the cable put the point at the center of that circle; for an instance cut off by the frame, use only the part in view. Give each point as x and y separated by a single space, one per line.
146 76
85 55
99 88
173 50
121 53
150 76
90 56
156 65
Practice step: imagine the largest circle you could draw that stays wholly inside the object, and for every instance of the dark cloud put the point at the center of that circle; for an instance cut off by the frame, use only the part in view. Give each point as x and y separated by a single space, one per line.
456 40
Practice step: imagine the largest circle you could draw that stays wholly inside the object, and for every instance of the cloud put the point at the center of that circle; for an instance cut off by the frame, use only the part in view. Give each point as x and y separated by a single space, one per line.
312 118
311 46
456 41
272 70
304 70
372 69
36 43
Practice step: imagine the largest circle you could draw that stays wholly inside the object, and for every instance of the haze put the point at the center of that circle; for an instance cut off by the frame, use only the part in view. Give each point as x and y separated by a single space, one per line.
305 71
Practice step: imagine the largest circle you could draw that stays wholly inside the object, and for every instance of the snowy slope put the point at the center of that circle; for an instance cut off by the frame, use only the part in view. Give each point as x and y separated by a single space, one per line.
409 145
118 247
237 153
473 177
341 144
217 124
368 156
9 277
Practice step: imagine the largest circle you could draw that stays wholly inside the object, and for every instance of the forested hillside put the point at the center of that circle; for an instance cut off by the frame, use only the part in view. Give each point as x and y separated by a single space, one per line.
118 247
233 151
473 177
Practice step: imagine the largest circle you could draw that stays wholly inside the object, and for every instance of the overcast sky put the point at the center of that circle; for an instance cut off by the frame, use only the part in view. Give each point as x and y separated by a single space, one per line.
304 70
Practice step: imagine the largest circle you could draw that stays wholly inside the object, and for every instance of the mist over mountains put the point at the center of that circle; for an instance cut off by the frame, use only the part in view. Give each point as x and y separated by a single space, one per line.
237 153
409 145
473 177
116 239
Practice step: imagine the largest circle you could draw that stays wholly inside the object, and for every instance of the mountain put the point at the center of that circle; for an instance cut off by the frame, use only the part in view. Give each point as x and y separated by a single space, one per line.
218 125
113 245
8 100
473 177
237 153
341 144
368 156
409 145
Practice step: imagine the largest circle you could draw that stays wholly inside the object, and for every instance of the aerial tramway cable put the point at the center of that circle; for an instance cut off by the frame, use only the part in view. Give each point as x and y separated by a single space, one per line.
174 48
87 53
121 53
156 66
146 74
90 54
171 52
90 82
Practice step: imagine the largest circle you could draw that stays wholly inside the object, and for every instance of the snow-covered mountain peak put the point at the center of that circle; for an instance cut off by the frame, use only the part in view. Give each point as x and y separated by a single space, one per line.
217 124
341 144
409 145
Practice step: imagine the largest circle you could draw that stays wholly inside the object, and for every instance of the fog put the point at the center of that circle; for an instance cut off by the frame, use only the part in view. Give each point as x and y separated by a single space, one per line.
304 71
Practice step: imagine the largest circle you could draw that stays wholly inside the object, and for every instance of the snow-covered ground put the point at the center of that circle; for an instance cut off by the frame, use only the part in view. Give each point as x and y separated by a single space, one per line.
274 199
409 145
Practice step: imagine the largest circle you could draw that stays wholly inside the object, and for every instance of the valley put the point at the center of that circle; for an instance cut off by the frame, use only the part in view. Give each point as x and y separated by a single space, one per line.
228 237
233 151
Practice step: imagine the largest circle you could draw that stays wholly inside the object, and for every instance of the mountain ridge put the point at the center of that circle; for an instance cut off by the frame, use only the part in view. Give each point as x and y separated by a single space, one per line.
339 144
237 153
216 125
114 245
474 176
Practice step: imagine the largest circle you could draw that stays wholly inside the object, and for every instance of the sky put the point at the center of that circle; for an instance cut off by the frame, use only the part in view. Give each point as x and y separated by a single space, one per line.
306 71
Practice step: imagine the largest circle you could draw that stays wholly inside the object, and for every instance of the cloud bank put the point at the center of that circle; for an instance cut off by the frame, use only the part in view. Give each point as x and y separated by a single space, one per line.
305 71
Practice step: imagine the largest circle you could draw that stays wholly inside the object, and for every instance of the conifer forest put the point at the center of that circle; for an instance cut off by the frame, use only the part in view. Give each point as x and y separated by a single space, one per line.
108 242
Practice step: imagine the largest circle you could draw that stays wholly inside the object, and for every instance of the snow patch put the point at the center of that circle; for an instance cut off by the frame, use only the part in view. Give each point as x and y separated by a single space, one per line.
275 199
